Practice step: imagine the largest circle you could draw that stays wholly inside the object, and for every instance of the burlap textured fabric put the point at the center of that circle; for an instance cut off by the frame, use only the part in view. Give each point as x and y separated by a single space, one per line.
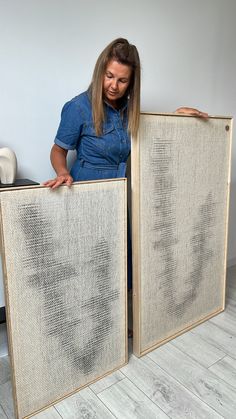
180 175
65 277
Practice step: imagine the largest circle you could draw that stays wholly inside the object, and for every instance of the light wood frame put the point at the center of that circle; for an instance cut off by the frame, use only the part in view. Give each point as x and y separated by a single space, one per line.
207 138
108 205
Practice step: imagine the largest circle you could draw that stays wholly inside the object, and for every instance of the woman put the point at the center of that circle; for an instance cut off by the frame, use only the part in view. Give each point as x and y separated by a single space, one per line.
99 122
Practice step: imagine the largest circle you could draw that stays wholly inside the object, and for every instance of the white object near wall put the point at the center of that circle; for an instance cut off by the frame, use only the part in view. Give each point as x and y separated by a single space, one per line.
8 166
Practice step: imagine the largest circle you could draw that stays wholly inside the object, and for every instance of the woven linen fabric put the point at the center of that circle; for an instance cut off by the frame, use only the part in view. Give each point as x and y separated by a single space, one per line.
65 273
183 174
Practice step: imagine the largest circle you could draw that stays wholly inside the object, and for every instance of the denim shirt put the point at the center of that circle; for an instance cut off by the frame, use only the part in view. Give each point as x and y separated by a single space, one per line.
98 157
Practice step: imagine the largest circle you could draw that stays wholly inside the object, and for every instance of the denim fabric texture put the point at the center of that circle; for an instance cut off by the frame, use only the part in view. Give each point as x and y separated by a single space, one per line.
100 157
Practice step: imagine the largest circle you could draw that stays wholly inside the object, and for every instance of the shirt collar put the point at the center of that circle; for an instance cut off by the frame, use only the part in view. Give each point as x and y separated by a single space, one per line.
122 106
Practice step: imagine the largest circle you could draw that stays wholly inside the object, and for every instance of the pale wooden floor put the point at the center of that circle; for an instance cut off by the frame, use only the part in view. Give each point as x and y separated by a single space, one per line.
193 376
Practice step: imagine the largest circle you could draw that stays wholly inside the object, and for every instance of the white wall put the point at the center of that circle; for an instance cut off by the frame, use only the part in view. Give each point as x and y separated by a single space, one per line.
48 49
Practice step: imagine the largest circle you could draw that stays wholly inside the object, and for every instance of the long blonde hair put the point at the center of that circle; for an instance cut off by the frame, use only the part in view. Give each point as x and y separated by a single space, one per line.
123 52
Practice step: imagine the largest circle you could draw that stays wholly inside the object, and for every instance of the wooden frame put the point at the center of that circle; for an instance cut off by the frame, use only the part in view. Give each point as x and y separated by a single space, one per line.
180 197
64 260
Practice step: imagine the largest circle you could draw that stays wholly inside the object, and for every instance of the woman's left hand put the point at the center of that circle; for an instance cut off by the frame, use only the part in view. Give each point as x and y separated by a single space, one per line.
192 112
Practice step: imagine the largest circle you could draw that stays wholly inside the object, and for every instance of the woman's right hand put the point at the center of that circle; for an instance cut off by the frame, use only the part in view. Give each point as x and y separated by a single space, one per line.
59 180
58 160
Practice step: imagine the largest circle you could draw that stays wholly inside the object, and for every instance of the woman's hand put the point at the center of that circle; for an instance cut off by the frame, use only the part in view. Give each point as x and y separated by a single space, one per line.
59 180
192 112
58 159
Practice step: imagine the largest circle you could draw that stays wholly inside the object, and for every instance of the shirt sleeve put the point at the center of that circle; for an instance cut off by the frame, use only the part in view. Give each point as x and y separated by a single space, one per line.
69 130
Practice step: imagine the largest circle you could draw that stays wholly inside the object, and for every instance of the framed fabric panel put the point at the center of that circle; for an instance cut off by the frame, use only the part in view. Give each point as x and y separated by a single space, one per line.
65 279
180 193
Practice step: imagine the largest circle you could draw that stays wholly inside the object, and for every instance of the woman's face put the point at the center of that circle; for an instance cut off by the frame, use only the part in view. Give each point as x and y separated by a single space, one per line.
116 81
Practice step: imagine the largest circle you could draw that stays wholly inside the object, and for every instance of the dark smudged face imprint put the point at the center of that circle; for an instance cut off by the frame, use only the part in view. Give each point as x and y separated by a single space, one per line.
164 222
48 273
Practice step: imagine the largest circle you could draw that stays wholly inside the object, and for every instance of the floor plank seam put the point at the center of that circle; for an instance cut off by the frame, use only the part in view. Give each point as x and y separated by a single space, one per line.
56 411
175 379
98 396
109 386
181 384
193 359
4 411
216 362
144 395
195 393
215 344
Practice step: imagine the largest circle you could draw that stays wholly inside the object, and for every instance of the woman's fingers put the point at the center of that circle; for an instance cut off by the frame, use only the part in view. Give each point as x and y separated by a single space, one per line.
192 112
58 181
